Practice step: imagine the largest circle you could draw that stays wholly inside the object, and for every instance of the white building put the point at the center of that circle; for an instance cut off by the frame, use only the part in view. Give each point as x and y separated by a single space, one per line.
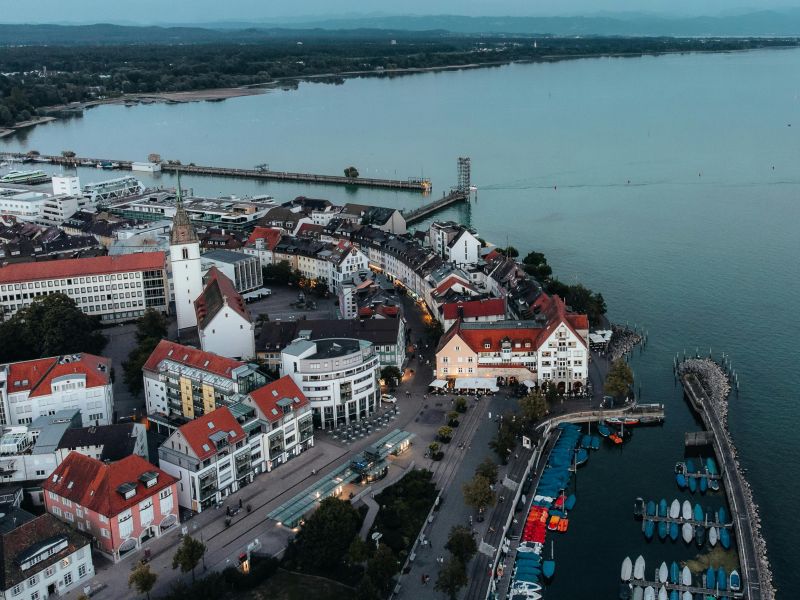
339 376
113 288
261 243
38 207
243 270
103 192
287 423
185 383
212 457
44 558
224 324
454 243
69 185
187 273
43 386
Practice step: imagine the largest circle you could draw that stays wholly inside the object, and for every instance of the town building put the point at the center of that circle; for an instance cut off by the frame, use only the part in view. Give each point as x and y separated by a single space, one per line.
43 558
454 243
33 388
113 288
384 218
484 310
107 443
102 193
261 243
340 376
37 207
22 241
182 383
288 427
68 185
242 269
211 457
224 324
122 504
550 350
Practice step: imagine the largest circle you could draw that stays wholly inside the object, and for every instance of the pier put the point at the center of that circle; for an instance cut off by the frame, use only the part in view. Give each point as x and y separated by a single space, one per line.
656 585
426 210
652 413
261 172
756 579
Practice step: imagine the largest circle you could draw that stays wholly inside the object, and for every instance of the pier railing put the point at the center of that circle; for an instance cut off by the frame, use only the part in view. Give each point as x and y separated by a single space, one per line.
426 210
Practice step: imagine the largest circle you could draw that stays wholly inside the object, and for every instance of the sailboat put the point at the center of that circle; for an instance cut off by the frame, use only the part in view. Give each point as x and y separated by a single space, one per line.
663 573
675 509
686 576
687 532
662 593
549 566
638 568
686 510
674 573
649 593
713 536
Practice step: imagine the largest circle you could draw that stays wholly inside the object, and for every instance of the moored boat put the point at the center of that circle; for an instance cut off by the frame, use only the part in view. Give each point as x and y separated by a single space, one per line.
651 508
674 573
662 508
722 515
674 531
648 527
700 535
713 484
711 465
680 479
638 593
692 481
698 512
663 529
662 593
686 576
686 510
627 569
687 596
735 581
713 536
581 456
703 485
649 593
674 595
722 579
711 578
725 538
569 504
663 572
595 445
548 568
690 466
603 429
638 567
687 532
675 509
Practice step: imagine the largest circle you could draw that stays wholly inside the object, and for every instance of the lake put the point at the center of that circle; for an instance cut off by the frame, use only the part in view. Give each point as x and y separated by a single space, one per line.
669 183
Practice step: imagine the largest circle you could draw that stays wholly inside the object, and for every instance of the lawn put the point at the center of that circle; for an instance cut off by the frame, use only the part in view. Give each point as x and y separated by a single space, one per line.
285 585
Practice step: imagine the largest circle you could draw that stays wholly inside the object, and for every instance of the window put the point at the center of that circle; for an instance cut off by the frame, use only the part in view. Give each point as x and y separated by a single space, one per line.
35 595
185 253
33 581
50 571
68 578
81 571
104 533
17 589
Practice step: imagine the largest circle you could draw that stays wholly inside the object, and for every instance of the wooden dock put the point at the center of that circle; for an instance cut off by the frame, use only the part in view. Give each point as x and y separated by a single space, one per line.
755 580
656 585
411 184
426 210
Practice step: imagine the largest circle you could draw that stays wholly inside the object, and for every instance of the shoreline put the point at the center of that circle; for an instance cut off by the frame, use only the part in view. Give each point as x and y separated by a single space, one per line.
254 89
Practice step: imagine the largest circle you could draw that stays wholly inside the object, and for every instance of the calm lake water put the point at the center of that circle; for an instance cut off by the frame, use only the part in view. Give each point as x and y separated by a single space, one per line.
669 183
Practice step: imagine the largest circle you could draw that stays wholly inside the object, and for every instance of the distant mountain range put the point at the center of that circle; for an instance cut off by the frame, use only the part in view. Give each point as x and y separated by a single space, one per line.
783 23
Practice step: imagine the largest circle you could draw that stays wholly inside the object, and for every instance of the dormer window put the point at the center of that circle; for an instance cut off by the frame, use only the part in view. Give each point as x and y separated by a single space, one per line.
149 478
127 490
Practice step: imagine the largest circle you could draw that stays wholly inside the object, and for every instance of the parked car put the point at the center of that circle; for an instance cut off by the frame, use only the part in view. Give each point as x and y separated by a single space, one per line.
388 398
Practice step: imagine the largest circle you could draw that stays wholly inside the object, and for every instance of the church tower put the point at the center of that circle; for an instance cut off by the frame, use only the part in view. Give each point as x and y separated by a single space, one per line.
187 275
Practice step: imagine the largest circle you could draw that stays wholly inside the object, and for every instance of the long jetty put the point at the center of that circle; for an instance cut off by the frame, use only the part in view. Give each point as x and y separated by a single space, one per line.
426 210
757 582
411 184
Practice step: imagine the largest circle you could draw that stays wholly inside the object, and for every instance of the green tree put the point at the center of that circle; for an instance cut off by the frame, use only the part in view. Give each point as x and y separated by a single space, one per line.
477 493
52 325
358 552
382 567
510 252
452 418
434 330
503 442
323 542
619 379
452 577
142 579
151 328
534 407
461 404
445 434
391 375
351 172
535 264
188 555
488 469
461 544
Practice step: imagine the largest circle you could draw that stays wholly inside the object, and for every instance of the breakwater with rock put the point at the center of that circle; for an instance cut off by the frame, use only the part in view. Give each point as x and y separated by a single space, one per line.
623 340
707 386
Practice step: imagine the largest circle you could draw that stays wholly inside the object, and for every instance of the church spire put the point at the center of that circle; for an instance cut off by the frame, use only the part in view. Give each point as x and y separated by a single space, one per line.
182 229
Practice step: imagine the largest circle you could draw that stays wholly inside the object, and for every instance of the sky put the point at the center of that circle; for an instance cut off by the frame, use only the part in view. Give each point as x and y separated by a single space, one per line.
199 11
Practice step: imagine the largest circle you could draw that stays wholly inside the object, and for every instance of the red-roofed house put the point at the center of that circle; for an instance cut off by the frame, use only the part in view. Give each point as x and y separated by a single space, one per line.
211 457
486 310
33 388
185 382
224 324
261 243
122 504
285 408
109 287
553 350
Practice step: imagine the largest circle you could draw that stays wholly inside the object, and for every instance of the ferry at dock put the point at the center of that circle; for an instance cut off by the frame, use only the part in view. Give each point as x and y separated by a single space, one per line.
25 177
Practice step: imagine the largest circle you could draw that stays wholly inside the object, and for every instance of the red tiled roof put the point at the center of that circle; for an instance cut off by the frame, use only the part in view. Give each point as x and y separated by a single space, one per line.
475 308
218 291
478 338
270 235
449 282
309 230
267 397
93 484
37 375
198 432
191 357
79 267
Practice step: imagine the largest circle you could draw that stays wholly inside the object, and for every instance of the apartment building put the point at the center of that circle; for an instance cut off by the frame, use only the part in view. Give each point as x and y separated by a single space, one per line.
224 323
121 504
112 288
242 269
34 388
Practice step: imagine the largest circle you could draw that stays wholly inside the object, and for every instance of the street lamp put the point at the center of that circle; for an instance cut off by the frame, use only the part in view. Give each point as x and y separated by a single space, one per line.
194 529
